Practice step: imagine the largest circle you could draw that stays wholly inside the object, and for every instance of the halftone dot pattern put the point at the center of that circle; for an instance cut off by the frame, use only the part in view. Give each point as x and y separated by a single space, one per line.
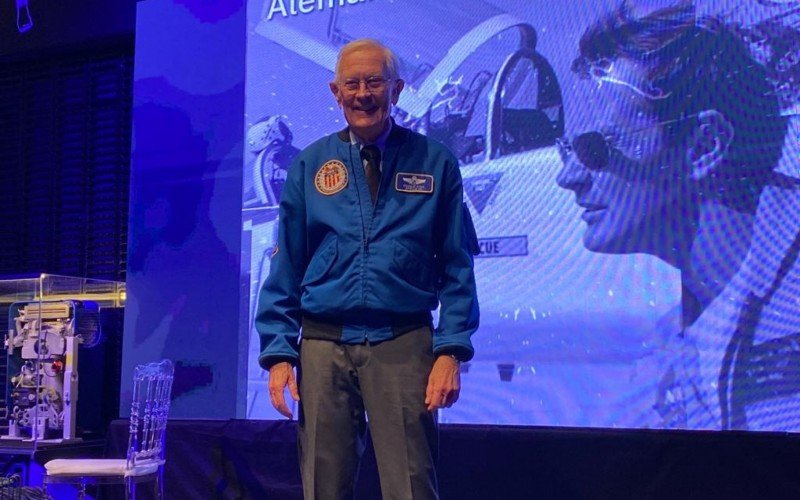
633 294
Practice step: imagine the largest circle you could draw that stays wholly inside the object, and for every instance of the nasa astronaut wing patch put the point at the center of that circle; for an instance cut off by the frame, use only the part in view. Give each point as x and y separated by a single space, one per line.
331 177
413 183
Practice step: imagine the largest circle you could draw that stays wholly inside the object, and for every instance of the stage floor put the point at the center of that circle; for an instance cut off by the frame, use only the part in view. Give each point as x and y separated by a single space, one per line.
244 459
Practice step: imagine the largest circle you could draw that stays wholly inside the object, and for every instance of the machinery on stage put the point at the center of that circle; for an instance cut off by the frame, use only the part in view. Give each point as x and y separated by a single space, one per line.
57 328
42 348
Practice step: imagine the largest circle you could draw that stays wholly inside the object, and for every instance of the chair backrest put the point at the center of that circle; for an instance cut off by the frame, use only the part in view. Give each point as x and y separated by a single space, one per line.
152 386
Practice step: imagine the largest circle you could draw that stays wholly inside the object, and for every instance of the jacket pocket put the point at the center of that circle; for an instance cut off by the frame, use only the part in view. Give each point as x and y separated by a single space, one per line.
413 267
321 261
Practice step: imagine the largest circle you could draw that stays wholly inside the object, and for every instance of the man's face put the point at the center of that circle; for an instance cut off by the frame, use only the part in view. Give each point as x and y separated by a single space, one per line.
365 92
625 176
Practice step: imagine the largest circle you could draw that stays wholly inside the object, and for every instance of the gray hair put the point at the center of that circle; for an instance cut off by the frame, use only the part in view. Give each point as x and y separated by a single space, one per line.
390 61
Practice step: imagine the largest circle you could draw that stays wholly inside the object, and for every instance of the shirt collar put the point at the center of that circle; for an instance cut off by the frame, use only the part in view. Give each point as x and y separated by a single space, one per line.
380 141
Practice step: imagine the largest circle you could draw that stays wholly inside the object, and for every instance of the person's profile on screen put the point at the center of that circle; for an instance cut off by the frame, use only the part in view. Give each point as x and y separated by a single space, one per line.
681 132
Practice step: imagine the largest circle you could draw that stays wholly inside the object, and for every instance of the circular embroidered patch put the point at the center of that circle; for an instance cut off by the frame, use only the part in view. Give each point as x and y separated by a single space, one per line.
331 177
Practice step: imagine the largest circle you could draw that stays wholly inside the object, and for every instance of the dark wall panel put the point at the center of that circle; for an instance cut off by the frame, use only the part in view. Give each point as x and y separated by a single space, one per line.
65 162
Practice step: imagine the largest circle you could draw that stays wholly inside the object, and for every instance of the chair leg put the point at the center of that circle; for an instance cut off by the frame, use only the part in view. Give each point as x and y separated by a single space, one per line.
160 483
130 489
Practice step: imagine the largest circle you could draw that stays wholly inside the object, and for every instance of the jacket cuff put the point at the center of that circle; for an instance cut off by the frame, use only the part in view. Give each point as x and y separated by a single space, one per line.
461 353
267 362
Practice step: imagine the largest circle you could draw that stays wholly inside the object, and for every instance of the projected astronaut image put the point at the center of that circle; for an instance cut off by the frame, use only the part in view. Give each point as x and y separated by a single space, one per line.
633 195
674 168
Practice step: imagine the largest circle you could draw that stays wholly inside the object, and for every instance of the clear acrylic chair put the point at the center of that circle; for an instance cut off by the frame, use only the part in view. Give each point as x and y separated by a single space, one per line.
152 385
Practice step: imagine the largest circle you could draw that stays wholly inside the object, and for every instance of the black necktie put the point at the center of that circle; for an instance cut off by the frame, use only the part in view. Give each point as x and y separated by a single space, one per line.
371 155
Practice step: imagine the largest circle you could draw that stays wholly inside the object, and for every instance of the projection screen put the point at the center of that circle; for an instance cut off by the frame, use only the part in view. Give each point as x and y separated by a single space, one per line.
633 178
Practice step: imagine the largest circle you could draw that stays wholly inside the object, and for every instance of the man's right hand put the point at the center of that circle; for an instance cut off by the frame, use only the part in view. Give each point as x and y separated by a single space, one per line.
282 375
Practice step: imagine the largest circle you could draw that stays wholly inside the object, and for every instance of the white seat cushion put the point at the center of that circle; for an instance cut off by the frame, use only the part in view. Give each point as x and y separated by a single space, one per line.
98 467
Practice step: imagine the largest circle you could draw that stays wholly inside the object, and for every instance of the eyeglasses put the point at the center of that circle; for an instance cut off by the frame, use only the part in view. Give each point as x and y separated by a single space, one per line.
593 149
374 84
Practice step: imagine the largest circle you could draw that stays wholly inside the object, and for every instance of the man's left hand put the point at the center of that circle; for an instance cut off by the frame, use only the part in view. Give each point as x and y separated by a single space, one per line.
444 383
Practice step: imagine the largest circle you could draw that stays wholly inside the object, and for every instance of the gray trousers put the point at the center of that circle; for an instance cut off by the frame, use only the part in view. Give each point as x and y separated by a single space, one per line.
338 383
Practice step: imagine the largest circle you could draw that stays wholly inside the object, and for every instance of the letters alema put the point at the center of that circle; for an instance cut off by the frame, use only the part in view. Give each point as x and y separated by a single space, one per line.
288 8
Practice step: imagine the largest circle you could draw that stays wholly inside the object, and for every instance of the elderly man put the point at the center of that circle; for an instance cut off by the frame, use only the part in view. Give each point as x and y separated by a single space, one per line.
373 236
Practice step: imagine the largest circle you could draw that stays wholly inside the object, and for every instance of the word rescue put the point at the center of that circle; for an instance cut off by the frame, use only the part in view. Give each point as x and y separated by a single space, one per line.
504 246
288 8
